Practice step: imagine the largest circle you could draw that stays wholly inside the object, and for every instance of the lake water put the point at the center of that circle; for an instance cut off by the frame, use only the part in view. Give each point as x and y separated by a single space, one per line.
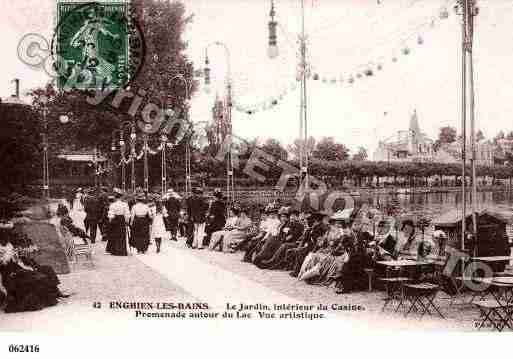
434 204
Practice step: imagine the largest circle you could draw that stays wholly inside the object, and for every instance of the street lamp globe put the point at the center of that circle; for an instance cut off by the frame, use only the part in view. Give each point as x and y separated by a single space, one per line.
64 119
273 51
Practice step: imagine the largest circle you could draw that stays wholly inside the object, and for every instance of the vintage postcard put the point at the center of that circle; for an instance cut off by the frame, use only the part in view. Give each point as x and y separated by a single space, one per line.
169 165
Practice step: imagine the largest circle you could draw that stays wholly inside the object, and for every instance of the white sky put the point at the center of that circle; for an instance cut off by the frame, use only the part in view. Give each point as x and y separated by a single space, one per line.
343 36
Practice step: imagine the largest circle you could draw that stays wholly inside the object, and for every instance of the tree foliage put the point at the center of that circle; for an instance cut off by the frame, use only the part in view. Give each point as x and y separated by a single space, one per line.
329 150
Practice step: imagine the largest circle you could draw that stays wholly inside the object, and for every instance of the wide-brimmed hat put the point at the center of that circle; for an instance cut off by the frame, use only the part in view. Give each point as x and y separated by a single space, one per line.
284 211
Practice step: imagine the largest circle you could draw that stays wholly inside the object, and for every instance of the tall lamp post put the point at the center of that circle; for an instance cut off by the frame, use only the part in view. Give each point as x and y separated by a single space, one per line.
122 150
63 119
164 140
46 172
302 76
230 183
468 10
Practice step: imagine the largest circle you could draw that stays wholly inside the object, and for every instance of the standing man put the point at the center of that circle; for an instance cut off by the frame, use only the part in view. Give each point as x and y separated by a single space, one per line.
197 208
93 212
172 205
216 216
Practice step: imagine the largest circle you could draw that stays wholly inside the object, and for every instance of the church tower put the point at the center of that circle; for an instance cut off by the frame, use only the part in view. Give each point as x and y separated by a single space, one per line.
414 134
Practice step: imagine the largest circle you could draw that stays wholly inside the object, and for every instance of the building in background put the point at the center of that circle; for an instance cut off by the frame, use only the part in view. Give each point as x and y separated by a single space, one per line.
413 145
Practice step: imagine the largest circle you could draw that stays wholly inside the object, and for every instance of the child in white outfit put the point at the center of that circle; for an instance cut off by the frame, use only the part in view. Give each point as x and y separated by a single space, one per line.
158 228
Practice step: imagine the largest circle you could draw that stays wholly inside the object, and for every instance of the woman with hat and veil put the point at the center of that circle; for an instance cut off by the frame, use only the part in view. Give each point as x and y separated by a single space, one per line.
140 225
118 215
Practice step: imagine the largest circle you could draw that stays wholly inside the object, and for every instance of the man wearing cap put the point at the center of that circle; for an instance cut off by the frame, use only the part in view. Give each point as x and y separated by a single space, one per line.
172 204
197 208
216 216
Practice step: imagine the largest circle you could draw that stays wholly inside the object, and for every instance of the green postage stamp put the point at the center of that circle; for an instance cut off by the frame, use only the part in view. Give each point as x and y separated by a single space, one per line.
97 44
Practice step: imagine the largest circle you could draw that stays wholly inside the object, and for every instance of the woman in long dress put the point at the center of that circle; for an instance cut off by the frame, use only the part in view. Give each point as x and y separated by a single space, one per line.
118 215
29 285
140 225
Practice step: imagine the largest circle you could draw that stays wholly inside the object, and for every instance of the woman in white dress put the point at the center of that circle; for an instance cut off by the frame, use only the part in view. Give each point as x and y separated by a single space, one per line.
158 227
77 204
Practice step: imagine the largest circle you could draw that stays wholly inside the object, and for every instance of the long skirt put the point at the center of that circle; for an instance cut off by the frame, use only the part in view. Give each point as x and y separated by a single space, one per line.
311 265
270 246
140 238
233 238
30 290
116 233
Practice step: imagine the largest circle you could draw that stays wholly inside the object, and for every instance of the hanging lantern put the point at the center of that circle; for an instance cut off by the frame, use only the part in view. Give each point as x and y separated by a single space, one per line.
316 77
406 51
274 102
249 112
420 40
368 72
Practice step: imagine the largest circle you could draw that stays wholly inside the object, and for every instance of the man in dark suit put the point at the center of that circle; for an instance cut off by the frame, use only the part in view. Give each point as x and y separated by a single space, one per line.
172 205
197 208
216 217
93 210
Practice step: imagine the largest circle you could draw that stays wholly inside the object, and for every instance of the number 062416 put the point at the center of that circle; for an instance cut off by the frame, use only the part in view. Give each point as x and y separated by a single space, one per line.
13 348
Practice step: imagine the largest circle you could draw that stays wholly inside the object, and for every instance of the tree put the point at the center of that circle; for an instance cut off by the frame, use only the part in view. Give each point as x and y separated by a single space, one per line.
275 149
328 150
295 147
499 136
163 24
361 155
480 136
446 135
20 146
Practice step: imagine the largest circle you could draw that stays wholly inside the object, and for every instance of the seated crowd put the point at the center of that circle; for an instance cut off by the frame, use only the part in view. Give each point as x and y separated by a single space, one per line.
319 248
